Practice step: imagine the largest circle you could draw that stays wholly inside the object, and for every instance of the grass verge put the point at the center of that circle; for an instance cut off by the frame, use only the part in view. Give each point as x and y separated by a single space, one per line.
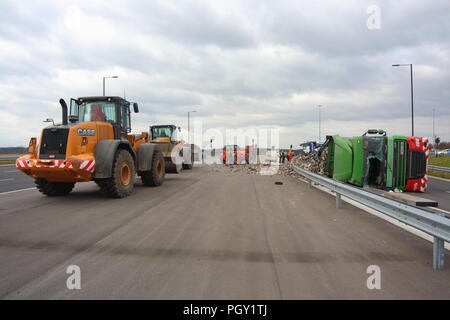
440 162
7 161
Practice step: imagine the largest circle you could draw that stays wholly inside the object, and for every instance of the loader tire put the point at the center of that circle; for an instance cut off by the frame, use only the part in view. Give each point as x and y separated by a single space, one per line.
188 166
53 188
171 167
155 176
121 183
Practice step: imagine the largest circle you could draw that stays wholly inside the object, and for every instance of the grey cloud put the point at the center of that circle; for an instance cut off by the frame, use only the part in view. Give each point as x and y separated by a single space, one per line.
240 64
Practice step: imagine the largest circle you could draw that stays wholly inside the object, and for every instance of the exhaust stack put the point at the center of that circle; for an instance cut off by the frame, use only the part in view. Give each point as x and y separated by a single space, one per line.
64 111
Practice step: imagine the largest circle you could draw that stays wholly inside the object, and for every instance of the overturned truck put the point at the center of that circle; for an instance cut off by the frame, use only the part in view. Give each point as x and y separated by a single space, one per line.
377 160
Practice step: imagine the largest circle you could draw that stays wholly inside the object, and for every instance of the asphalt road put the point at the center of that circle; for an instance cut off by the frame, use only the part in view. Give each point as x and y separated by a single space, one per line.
12 179
439 190
3 157
208 235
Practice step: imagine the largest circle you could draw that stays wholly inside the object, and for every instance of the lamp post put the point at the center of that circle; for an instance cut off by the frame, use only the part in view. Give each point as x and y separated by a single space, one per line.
434 135
412 95
112 77
320 135
189 126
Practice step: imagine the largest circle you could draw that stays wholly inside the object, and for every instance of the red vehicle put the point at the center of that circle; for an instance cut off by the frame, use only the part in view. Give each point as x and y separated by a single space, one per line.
232 154
418 153
250 154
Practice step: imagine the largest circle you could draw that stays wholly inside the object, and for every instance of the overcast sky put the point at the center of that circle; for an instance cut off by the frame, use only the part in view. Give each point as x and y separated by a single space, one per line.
240 64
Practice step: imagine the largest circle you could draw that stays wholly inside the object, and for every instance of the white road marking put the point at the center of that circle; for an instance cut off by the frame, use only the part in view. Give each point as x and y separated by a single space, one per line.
14 191
6 179
442 210
439 178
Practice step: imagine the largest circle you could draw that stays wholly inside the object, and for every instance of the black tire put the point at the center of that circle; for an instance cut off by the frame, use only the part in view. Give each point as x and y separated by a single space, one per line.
189 166
121 183
155 176
53 188
100 182
173 167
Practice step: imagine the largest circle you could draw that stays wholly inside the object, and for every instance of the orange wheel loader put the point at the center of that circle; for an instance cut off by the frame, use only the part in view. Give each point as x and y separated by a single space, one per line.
93 143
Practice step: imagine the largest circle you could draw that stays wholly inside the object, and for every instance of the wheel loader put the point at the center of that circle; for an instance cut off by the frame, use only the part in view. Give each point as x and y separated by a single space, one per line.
93 143
178 155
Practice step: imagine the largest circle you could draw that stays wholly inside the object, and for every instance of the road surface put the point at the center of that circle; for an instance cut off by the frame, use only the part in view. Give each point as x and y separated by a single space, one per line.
12 179
8 157
439 190
207 234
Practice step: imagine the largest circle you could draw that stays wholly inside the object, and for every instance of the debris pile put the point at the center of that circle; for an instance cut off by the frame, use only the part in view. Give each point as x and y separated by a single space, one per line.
309 162
312 163
236 168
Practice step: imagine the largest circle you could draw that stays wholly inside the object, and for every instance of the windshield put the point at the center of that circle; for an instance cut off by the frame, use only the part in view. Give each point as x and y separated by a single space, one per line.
97 111
161 132
231 147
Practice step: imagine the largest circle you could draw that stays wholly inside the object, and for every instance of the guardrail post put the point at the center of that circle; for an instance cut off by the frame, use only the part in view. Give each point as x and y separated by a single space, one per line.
338 200
309 183
438 253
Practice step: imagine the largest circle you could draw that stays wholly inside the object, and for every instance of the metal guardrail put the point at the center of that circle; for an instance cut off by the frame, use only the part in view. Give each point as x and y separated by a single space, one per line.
436 168
434 224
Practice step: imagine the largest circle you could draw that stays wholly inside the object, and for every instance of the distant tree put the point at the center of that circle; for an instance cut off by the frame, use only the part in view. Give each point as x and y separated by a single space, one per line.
442 145
13 150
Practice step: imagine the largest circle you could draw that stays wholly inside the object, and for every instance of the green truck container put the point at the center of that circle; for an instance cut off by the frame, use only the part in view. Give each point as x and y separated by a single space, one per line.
372 159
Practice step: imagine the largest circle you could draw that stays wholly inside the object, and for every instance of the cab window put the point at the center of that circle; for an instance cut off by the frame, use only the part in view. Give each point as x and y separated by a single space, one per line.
162 132
97 111
125 117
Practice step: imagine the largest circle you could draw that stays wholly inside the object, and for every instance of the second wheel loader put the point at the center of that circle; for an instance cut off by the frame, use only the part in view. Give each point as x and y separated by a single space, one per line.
178 155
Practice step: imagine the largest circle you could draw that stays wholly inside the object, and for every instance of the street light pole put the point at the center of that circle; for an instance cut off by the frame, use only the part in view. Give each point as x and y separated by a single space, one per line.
412 94
412 100
113 77
320 135
189 126
434 135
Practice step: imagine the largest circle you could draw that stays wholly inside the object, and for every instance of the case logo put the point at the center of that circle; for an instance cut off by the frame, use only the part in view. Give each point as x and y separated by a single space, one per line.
86 132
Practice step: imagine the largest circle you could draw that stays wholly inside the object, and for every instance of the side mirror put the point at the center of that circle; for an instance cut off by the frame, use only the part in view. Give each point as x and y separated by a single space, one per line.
49 120
135 107
179 129
32 146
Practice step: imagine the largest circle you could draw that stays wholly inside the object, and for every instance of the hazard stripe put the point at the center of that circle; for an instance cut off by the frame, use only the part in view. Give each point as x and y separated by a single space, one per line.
91 166
84 164
87 165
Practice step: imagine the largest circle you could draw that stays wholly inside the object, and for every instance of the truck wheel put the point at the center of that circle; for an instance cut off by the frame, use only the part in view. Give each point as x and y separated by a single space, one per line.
188 166
121 183
171 167
53 188
155 176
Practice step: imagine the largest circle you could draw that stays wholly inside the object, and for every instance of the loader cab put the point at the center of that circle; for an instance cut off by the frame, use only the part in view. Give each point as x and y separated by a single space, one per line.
113 110
164 133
